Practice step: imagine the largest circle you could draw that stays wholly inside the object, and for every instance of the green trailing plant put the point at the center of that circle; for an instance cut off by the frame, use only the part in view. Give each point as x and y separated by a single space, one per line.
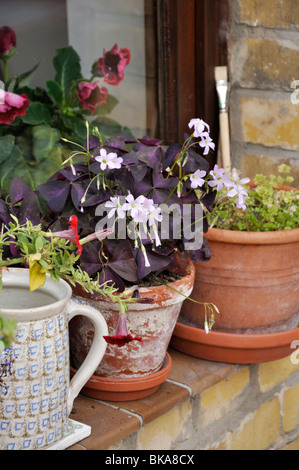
271 205
47 253
7 331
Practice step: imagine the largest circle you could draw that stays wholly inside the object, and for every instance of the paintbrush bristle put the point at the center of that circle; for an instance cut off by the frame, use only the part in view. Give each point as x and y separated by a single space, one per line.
221 73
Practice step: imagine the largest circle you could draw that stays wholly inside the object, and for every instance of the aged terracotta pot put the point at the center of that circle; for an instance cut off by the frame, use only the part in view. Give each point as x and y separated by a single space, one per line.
153 322
126 389
253 279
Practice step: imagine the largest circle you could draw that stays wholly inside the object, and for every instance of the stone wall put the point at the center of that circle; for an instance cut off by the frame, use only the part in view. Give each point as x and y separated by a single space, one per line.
264 76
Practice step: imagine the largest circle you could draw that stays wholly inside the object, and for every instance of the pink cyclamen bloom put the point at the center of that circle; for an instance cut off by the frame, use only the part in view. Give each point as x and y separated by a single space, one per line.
199 126
121 337
91 96
112 65
197 179
11 106
8 40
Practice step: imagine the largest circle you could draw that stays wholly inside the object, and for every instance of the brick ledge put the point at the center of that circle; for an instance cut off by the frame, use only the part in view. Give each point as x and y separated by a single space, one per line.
113 421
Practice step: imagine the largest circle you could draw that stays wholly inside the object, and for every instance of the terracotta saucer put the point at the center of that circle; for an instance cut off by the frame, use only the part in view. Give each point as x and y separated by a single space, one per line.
233 348
126 389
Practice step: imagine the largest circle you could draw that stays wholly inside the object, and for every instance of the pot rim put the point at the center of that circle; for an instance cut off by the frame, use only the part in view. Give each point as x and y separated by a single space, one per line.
279 237
235 340
175 284
162 291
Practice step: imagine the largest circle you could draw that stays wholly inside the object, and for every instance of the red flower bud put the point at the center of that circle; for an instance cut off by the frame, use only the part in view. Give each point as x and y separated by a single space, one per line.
7 40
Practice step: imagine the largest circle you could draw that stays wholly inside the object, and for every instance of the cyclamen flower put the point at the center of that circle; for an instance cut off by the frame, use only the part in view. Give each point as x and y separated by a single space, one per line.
220 179
109 160
121 336
197 179
199 126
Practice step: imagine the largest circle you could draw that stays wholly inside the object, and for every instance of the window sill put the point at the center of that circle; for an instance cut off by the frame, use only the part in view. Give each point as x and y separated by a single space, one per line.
113 421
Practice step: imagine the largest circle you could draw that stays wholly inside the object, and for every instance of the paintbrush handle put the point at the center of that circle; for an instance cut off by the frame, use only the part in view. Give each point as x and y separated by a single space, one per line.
225 141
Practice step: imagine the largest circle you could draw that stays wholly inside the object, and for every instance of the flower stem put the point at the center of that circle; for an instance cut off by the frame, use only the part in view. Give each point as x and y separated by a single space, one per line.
5 71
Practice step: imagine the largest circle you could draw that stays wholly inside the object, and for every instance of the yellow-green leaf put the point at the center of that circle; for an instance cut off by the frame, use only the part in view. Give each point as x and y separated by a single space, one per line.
36 278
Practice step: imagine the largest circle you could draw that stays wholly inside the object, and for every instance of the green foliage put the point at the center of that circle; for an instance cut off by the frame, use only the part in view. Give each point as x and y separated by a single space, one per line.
7 330
269 207
31 146
53 256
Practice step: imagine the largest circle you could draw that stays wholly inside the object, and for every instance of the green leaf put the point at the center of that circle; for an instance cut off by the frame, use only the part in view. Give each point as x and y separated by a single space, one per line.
10 84
37 113
104 109
25 78
55 91
68 69
36 278
39 243
44 264
44 140
34 158
6 146
109 127
15 165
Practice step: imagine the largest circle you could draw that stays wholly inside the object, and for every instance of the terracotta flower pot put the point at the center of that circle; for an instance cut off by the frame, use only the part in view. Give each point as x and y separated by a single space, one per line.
127 389
253 279
153 322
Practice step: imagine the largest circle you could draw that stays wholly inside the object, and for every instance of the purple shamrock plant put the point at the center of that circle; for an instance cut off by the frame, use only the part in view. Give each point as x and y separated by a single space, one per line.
155 197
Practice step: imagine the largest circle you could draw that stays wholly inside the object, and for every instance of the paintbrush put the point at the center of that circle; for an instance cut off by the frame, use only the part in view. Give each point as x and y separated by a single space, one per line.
222 87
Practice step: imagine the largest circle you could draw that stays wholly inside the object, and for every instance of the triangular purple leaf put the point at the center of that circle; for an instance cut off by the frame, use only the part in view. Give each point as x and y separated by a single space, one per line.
29 210
18 190
55 193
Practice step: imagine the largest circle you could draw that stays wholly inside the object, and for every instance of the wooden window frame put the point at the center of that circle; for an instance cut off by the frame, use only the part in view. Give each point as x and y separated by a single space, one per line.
191 39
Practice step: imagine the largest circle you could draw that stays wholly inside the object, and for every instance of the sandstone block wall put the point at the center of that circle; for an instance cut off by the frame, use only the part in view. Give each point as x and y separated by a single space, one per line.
264 77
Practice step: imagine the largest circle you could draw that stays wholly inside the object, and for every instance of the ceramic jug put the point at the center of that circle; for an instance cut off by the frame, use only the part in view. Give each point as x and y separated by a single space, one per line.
36 394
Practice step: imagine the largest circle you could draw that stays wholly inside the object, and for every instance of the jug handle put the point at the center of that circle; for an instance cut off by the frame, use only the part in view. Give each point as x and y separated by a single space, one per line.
96 351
